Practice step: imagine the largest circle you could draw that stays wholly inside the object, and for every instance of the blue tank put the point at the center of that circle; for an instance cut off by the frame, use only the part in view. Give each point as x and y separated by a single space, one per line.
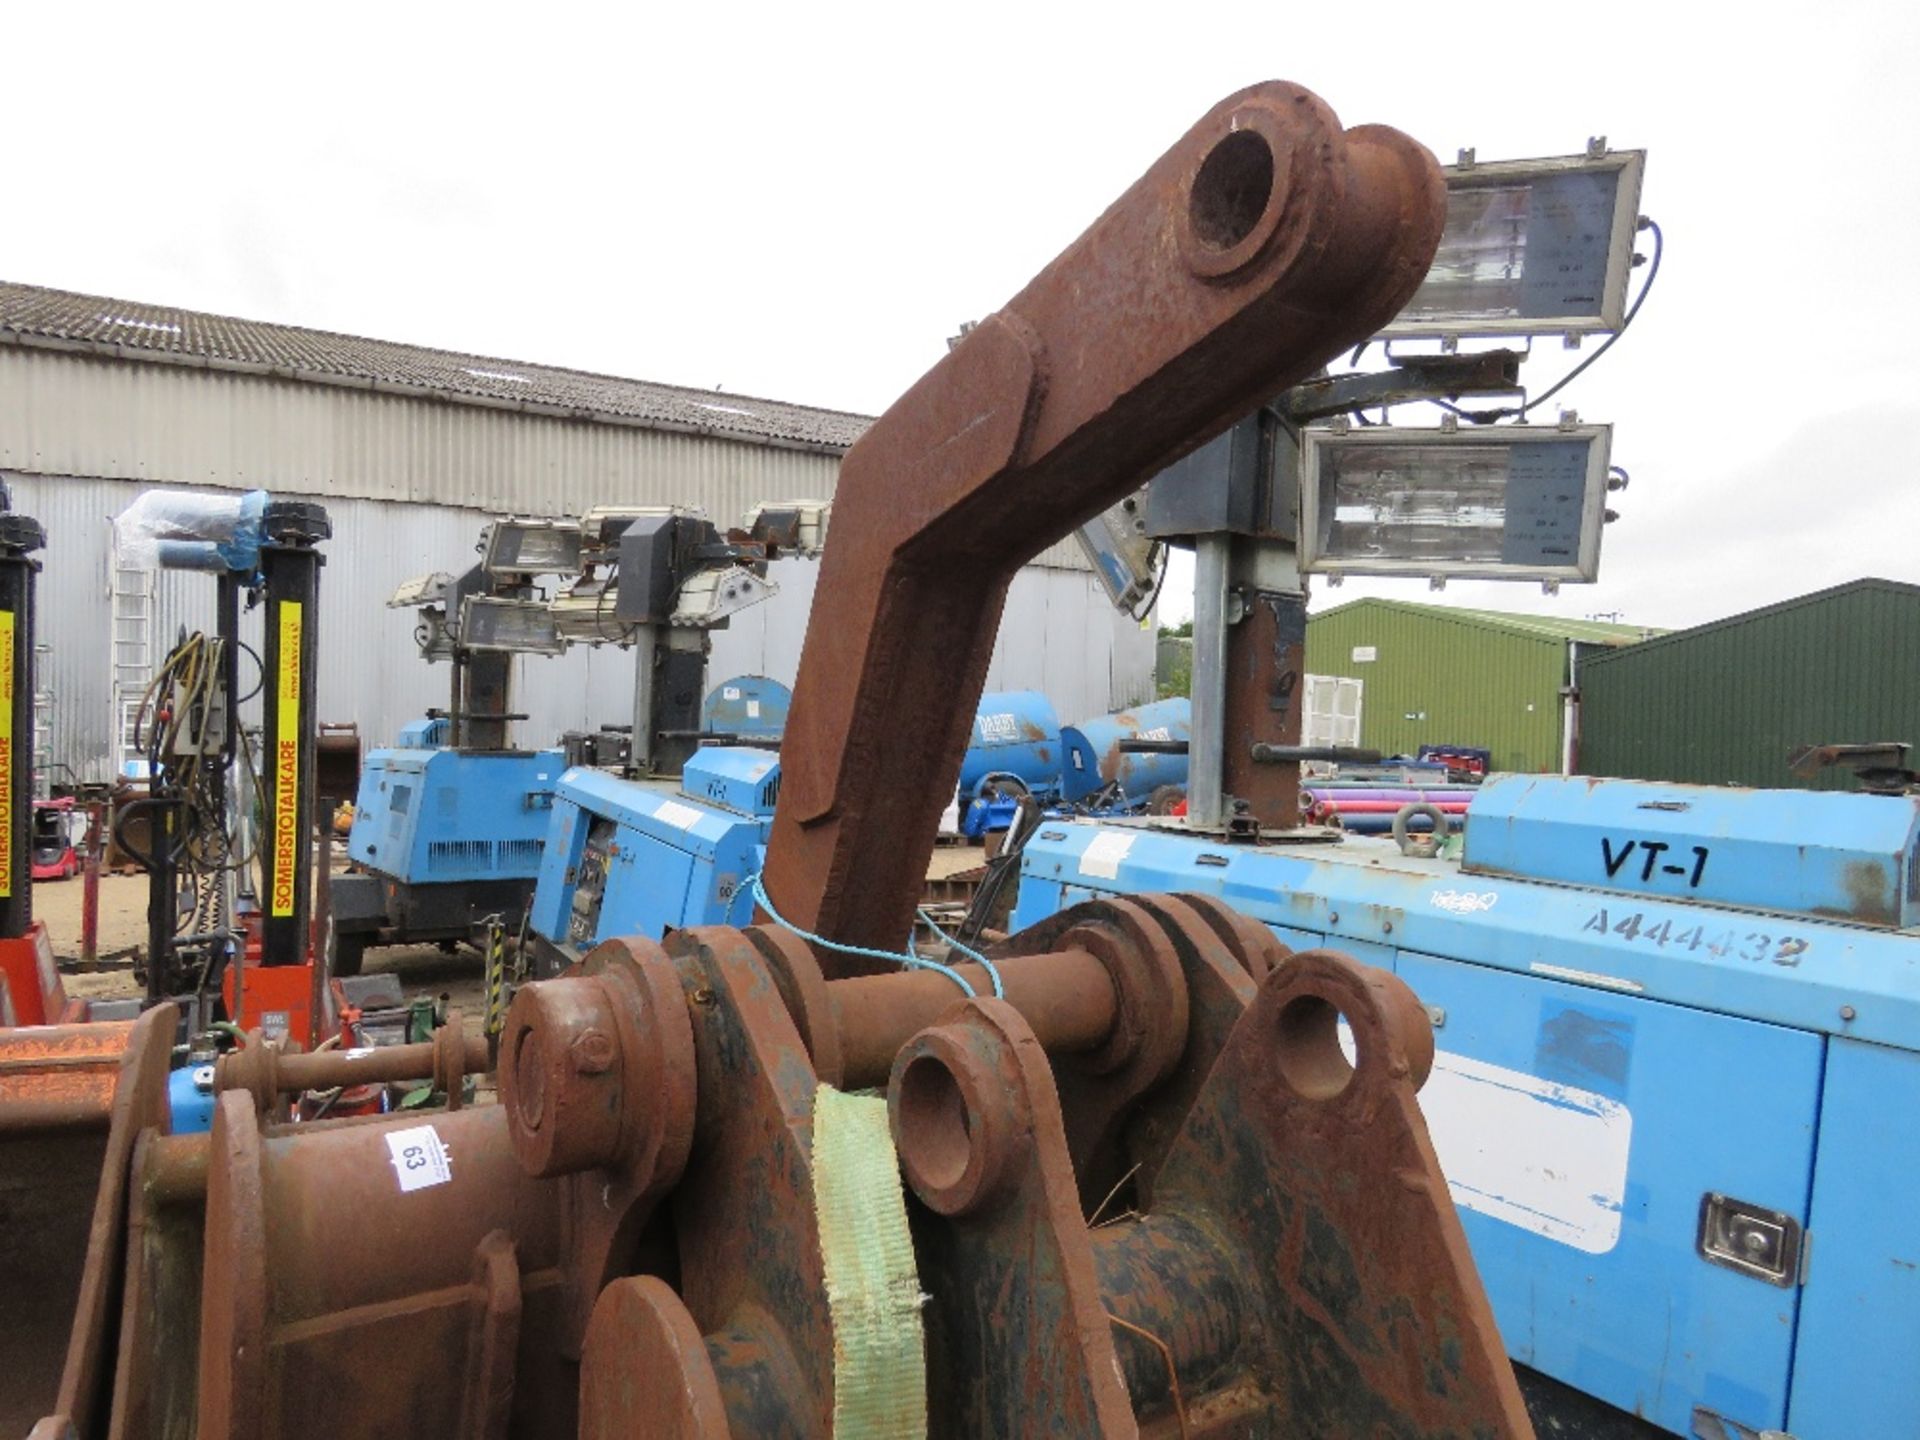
1093 755
749 706
1015 732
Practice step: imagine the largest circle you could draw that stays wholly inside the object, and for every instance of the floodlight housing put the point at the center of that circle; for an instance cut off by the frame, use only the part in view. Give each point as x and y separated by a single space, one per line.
533 547
520 626
1121 552
1531 247
421 590
1508 502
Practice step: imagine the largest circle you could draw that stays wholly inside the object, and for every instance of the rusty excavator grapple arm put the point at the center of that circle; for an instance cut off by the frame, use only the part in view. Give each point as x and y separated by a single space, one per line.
1265 242
1151 1187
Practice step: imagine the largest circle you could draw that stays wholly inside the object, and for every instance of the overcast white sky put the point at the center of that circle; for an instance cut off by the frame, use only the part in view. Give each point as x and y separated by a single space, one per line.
801 201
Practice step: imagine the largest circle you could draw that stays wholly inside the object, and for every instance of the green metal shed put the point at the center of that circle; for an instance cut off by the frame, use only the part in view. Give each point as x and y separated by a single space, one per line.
1723 704
1441 675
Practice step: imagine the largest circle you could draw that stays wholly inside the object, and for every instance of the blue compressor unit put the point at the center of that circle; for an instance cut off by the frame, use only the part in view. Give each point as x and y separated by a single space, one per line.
627 857
1678 1072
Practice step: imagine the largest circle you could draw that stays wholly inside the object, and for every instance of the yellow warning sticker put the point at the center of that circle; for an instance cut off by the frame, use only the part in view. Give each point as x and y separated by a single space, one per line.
286 767
6 754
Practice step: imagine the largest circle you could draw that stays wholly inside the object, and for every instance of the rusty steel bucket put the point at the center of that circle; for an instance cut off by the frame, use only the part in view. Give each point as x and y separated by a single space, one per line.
73 1101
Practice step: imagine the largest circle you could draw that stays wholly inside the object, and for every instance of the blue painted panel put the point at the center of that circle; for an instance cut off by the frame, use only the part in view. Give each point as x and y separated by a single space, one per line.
753 707
190 1099
1804 852
1855 1372
1579 1130
674 858
445 816
647 887
1808 974
736 777
559 868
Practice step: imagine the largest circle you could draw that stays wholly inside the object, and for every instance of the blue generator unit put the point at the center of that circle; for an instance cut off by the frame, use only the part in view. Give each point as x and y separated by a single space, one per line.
442 841
1678 1067
642 857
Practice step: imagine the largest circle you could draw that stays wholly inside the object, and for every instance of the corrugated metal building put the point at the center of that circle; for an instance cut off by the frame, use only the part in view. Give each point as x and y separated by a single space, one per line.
1438 675
1725 703
412 449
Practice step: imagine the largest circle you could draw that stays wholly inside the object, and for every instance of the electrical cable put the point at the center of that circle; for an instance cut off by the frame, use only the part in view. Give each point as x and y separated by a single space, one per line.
993 973
1488 417
177 716
898 957
1139 611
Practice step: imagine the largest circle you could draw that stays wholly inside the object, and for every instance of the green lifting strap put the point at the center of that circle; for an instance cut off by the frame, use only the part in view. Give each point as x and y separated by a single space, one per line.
873 1285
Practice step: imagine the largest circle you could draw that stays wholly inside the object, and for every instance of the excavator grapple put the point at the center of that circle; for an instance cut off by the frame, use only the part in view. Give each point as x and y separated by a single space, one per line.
1140 1170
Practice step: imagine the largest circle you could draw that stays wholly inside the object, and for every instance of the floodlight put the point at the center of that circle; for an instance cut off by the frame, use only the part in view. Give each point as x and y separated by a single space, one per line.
1121 552
522 626
709 597
1531 247
1510 502
797 527
533 547
421 590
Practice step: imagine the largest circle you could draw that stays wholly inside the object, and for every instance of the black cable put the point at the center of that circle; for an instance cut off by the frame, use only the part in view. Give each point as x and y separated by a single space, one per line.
1139 611
1653 273
259 672
1488 417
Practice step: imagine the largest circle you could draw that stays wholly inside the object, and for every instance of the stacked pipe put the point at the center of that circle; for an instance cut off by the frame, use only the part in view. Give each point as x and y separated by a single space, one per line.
1368 808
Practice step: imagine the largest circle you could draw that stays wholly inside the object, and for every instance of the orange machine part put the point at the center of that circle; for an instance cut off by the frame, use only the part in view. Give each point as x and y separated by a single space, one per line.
30 988
275 998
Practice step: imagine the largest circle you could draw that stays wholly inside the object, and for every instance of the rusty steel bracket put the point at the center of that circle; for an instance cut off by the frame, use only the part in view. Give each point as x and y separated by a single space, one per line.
1263 243
749 1329
1300 1271
598 1077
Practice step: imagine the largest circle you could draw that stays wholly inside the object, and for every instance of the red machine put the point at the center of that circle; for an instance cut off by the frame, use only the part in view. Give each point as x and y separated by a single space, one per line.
54 855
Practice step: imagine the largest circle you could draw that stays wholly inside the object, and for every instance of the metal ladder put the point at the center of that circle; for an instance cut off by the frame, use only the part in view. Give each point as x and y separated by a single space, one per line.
132 594
42 725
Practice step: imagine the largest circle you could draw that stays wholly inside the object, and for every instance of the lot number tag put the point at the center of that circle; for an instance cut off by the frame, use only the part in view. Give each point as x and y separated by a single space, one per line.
419 1157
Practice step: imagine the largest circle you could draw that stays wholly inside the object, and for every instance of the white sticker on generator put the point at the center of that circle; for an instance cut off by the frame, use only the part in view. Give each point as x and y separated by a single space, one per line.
731 692
753 709
1104 853
420 1158
1549 1158
681 817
